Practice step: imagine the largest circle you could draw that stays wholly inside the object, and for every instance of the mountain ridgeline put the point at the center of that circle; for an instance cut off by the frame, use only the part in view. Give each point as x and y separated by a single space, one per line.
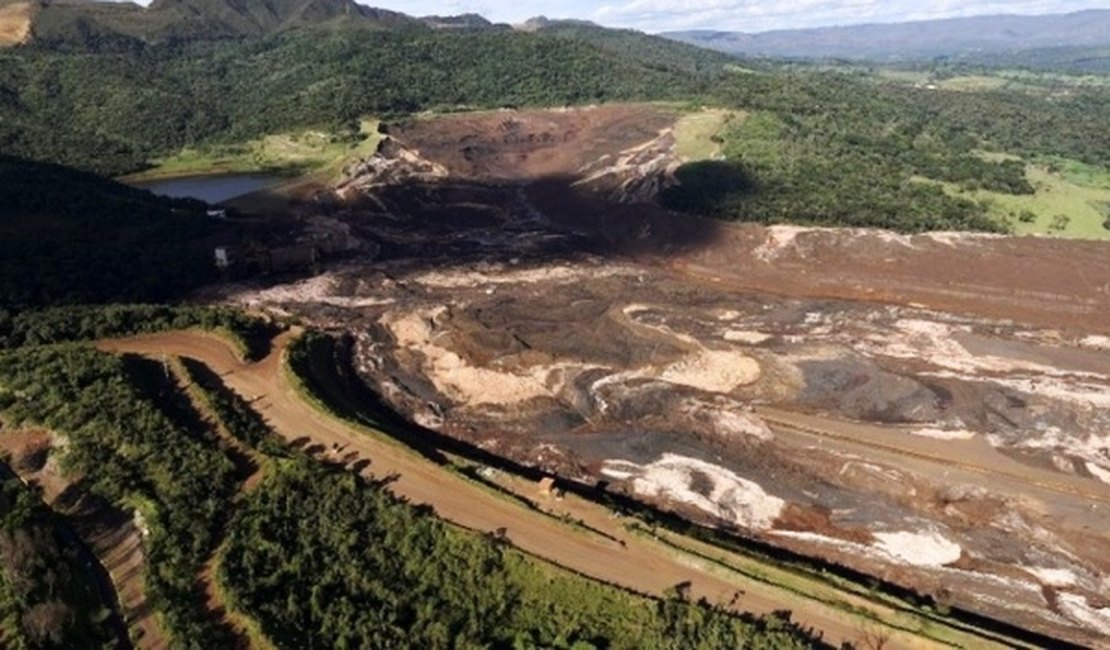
107 25
954 37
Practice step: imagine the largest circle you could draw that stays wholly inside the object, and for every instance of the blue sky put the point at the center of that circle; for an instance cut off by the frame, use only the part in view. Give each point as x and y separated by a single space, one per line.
736 15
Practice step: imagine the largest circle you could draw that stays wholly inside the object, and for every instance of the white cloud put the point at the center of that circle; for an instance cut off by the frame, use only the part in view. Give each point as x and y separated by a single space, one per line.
729 15
761 15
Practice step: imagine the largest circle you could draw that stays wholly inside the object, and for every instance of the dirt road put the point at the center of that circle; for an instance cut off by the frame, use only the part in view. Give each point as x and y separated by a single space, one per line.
638 564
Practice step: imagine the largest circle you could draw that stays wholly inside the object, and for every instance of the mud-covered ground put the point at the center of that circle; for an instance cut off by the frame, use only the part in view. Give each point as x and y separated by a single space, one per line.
934 410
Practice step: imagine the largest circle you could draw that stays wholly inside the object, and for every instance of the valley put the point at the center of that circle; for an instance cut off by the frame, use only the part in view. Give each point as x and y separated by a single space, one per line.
443 332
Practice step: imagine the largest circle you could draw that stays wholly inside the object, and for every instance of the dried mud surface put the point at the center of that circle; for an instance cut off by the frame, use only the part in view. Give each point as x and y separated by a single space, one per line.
15 23
933 410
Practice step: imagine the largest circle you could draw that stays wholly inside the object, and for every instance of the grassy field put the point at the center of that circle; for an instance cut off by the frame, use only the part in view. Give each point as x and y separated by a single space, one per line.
1071 200
697 135
974 83
293 153
1026 81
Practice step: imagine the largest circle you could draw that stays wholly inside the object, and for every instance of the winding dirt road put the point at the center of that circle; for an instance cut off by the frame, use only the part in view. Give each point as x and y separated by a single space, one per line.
638 563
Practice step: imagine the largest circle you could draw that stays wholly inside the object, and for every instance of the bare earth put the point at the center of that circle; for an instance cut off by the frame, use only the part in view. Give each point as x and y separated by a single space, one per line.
15 23
928 409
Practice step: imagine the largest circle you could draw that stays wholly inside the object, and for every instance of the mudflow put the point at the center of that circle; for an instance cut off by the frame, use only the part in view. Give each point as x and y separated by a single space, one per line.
933 410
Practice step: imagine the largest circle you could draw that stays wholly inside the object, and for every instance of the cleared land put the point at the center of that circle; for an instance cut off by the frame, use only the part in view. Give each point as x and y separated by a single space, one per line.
15 23
696 133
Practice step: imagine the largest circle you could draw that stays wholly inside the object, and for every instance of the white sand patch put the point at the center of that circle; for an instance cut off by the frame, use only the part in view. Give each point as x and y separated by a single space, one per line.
452 375
629 315
1079 609
613 471
778 239
728 314
943 434
954 238
816 538
892 475
1096 342
747 337
500 274
741 424
716 371
1091 448
929 549
320 289
1084 394
934 341
889 237
673 477
729 418
1054 577
1098 472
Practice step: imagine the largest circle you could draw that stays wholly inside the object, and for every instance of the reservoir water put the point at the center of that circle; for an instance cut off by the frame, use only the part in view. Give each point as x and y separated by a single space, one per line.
213 188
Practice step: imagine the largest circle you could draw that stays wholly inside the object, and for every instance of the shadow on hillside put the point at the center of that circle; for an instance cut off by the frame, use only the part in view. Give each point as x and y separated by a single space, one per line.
455 223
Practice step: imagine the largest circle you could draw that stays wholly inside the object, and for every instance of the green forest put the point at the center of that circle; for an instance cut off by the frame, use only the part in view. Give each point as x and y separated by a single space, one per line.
836 148
70 237
825 146
111 112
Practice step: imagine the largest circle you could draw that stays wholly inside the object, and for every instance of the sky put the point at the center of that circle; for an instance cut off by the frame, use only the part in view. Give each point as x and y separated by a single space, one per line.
732 15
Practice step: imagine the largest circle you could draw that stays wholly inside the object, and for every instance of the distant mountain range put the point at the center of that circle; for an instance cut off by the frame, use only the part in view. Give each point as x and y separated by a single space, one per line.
914 40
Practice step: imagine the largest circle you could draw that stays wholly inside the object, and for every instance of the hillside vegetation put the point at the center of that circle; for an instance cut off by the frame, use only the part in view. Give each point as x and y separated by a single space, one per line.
112 112
72 237
838 148
48 599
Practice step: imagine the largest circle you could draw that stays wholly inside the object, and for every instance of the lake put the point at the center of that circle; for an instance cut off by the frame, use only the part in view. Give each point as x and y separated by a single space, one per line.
214 188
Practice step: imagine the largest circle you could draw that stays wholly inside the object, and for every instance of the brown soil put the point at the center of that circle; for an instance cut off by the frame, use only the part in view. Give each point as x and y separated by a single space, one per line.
15 23
578 327
524 145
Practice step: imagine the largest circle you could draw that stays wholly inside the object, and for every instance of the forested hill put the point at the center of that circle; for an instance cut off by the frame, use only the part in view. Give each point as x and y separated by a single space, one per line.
111 112
653 51
920 39
71 237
